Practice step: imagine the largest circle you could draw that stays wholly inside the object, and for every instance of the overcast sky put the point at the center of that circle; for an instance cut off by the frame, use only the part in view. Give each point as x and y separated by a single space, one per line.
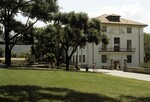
137 10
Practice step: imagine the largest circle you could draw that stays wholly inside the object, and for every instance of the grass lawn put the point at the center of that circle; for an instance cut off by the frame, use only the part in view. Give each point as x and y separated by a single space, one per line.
67 86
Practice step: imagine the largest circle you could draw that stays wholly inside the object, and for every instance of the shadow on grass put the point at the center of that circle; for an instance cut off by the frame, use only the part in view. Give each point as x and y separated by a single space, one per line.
135 99
16 93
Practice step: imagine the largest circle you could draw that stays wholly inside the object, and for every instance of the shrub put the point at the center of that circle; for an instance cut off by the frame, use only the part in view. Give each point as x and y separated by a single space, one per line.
1 52
145 65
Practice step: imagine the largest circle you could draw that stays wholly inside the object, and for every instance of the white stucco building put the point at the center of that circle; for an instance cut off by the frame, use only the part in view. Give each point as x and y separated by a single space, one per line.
17 49
126 44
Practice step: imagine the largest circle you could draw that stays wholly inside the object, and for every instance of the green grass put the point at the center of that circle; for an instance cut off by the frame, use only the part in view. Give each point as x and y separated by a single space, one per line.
67 86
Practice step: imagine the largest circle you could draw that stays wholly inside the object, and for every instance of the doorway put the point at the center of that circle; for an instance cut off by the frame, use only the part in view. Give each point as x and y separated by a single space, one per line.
116 65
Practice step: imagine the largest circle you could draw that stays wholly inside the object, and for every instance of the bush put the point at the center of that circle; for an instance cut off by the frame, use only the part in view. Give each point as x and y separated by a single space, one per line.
24 55
145 65
1 52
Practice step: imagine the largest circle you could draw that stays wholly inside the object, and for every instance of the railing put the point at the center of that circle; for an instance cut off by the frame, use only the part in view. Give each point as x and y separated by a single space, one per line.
117 50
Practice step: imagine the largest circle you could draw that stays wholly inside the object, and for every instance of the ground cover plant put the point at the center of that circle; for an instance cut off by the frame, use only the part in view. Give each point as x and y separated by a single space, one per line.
69 86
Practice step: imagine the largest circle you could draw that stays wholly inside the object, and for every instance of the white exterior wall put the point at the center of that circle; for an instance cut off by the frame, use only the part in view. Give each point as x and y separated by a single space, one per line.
18 49
120 31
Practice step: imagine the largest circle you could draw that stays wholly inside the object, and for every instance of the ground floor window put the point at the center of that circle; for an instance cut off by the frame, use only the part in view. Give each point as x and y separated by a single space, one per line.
83 58
80 58
73 59
129 59
104 58
76 59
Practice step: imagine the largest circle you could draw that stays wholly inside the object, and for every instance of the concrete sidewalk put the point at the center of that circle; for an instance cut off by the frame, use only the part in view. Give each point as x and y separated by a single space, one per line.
138 76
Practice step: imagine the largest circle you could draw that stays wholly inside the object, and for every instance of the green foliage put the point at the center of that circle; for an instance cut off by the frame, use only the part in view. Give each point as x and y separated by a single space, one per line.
45 44
1 52
50 57
94 32
33 10
147 47
24 55
77 30
145 64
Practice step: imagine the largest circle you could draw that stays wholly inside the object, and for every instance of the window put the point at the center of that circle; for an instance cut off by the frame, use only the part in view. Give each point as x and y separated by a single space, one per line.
80 58
104 58
116 44
104 29
83 58
116 40
76 59
129 59
116 48
83 47
129 45
104 47
129 30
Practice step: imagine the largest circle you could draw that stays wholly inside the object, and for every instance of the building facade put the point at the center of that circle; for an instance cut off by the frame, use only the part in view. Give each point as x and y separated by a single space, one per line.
126 45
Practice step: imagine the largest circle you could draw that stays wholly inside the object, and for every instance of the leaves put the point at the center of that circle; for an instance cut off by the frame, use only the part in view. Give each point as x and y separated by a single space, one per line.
33 10
147 46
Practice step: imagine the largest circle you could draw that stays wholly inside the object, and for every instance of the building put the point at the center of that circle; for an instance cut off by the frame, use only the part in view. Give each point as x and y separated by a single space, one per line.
126 45
17 50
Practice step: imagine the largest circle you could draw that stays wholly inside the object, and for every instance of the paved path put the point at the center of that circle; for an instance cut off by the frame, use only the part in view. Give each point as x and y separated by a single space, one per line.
138 76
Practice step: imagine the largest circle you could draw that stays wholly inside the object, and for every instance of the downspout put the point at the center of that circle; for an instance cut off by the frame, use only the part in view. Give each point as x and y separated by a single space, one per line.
93 53
139 46
77 59
87 61
81 56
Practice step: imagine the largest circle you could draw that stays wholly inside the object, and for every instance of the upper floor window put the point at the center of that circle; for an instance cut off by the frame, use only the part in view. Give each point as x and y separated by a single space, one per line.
129 30
116 40
104 46
129 45
104 28
116 44
82 47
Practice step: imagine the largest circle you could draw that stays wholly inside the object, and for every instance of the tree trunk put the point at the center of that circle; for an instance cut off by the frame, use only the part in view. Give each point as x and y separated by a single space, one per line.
67 63
7 49
67 60
7 54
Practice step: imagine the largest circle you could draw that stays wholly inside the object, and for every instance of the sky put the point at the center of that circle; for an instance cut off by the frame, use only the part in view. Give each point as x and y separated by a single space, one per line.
136 10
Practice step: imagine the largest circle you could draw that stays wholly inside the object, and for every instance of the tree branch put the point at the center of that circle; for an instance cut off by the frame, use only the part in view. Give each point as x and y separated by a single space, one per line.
73 51
24 30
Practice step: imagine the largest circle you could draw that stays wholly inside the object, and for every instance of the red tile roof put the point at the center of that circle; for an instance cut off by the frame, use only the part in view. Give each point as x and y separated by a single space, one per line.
104 20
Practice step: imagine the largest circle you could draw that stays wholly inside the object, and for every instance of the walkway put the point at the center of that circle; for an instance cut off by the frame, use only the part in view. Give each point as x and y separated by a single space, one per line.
138 76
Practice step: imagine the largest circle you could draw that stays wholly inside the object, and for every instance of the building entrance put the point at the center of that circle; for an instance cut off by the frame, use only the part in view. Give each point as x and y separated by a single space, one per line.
116 65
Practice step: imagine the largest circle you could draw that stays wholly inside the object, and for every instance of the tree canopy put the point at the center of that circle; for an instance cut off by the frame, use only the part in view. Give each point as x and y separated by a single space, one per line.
13 29
73 30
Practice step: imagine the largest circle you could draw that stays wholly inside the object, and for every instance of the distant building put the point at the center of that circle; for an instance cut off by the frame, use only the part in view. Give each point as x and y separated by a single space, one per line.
17 49
126 44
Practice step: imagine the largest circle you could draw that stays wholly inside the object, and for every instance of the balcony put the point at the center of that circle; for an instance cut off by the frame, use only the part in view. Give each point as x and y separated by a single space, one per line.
117 49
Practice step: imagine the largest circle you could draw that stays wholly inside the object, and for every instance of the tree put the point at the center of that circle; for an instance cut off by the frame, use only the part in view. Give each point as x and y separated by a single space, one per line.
50 57
78 30
48 42
14 29
56 37
147 47
44 44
